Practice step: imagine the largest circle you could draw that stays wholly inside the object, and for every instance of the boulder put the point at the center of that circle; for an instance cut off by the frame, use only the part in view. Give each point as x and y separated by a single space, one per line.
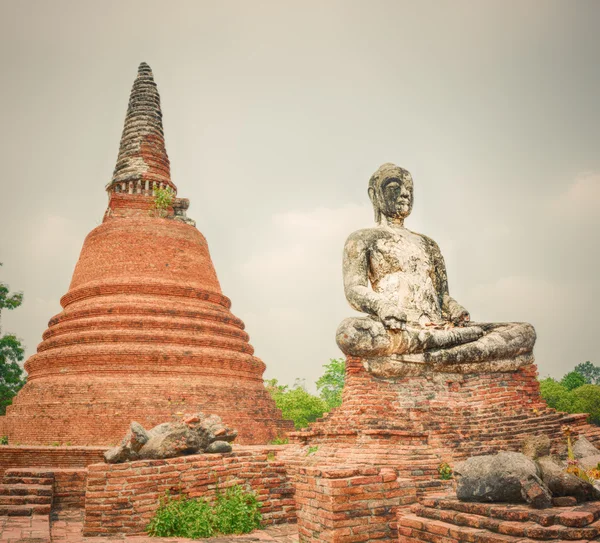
535 446
583 448
504 477
218 447
196 433
562 483
589 462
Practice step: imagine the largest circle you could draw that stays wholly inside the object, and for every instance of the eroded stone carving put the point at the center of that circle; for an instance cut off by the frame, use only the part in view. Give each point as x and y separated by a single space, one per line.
194 434
398 278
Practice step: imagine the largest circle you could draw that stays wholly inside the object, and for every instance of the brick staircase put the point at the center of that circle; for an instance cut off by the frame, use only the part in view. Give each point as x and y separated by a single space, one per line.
26 492
446 519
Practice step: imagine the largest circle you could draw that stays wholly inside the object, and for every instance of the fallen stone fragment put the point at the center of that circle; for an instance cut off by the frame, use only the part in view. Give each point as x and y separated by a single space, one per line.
505 477
196 433
219 447
535 446
562 483
583 448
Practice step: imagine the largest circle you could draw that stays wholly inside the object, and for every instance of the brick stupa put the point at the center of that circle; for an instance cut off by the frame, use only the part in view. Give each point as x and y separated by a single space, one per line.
145 332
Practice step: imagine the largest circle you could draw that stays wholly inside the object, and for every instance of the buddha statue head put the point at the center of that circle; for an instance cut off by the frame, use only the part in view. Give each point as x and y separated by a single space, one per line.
391 192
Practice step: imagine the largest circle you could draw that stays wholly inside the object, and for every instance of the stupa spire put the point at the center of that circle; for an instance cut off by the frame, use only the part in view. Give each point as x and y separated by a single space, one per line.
142 162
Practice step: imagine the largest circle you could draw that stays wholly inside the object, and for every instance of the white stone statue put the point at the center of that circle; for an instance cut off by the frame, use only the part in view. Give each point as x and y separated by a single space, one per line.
413 325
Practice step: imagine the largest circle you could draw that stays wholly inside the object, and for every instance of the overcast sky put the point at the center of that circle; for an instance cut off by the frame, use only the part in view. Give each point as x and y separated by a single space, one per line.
276 114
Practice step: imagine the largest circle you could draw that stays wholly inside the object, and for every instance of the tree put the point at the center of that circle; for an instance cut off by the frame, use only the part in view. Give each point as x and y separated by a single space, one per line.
296 403
590 372
12 376
331 383
587 400
572 380
556 395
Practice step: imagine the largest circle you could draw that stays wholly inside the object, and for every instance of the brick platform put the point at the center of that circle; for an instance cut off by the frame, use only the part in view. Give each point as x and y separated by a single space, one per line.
350 504
122 498
446 520
437 418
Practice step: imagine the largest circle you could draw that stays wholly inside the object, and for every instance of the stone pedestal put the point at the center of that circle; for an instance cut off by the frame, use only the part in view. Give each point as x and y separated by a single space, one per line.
436 417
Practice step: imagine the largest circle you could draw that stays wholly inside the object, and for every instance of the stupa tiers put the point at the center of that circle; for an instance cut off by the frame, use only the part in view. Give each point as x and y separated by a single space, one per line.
145 332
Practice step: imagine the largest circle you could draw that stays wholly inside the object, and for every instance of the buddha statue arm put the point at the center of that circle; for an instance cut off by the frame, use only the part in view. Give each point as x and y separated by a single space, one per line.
356 285
451 309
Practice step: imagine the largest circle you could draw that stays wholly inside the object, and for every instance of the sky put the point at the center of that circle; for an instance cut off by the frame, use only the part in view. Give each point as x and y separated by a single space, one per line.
276 113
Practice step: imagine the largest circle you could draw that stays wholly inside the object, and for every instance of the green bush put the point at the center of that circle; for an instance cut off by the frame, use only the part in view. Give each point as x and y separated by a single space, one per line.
236 511
556 395
572 380
296 403
587 400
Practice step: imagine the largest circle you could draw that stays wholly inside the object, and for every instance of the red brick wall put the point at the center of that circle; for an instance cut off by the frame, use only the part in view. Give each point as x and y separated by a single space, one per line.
145 333
348 505
122 498
452 415
69 488
48 457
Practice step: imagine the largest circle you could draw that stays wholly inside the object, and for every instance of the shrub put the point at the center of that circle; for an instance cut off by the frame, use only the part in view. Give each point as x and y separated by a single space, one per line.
572 380
556 395
587 400
236 511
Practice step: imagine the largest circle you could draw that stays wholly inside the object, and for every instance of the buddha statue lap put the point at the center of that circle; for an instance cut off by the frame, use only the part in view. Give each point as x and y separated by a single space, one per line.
413 325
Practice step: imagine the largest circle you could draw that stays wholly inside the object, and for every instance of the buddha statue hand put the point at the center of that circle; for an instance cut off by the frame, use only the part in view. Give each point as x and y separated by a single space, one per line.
457 314
391 316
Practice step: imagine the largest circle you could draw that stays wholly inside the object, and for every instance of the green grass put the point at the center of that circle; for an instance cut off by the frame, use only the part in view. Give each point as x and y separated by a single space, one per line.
235 511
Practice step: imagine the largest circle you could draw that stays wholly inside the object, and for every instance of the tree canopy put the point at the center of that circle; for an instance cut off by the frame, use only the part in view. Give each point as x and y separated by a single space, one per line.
12 376
577 392
301 407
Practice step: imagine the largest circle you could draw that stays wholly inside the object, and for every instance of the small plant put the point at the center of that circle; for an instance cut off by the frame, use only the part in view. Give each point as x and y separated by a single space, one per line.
270 456
163 198
280 441
4 440
445 471
312 450
235 511
55 444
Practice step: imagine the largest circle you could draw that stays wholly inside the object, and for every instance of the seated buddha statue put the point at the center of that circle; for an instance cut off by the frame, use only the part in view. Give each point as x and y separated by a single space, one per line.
412 324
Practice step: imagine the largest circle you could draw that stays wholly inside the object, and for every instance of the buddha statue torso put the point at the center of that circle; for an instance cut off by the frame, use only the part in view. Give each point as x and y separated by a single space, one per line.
398 278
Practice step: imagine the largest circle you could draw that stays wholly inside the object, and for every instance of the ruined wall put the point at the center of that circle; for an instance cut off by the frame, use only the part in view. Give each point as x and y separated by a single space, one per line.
449 415
348 505
48 457
122 498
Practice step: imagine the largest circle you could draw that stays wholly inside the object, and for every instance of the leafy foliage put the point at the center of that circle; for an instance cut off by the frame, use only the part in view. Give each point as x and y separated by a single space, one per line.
331 384
576 391
572 380
590 372
163 198
237 511
296 403
556 395
445 471
587 400
12 376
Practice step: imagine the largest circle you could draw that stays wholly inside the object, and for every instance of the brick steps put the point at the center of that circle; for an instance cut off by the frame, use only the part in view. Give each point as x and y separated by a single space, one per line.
26 492
450 520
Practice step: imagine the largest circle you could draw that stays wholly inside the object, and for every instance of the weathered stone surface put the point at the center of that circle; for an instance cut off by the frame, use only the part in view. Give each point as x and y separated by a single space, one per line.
504 477
218 447
561 483
398 278
194 434
536 493
583 448
589 462
536 446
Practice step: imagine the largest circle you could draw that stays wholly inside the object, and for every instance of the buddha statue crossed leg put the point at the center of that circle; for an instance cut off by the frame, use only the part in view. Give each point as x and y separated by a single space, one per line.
398 278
